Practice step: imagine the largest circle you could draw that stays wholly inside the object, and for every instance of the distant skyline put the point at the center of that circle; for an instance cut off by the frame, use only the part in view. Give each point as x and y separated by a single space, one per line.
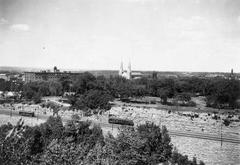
161 35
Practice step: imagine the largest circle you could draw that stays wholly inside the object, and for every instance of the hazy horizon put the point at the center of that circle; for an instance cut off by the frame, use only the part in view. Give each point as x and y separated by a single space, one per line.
155 35
115 70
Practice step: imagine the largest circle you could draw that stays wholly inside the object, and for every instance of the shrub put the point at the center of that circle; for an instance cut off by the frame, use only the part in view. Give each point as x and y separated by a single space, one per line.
226 122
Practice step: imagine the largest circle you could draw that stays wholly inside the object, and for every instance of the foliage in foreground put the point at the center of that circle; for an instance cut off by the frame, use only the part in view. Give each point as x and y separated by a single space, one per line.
84 143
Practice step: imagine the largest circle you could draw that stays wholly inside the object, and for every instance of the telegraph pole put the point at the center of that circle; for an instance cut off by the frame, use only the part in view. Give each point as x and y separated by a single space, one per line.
11 112
219 110
159 122
221 131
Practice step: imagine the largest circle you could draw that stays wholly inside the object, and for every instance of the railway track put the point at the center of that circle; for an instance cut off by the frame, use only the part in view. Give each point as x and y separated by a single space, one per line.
205 136
214 137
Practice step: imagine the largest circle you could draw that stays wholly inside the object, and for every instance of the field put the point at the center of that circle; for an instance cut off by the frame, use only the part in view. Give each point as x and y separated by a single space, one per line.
211 152
177 120
4 119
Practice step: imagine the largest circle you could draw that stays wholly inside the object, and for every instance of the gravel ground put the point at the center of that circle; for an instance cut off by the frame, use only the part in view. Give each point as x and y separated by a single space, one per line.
4 119
211 152
176 121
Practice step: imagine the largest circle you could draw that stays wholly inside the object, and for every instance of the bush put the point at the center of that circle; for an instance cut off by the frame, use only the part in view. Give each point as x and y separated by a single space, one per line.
191 104
80 143
37 98
226 122
94 99
76 117
180 159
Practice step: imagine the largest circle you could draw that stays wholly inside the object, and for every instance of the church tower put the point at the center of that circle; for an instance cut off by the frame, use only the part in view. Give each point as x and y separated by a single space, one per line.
129 71
121 69
232 74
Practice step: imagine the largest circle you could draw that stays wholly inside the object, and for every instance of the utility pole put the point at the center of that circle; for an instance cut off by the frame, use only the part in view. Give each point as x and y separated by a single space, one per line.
221 131
159 122
219 110
11 112
37 114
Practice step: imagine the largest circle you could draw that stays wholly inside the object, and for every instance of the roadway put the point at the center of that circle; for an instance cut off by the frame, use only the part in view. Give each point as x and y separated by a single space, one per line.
199 135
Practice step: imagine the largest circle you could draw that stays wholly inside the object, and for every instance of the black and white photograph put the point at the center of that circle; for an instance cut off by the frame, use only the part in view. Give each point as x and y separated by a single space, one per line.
119 82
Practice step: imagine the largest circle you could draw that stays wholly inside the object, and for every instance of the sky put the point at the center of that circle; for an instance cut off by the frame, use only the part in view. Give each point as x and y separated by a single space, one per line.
160 35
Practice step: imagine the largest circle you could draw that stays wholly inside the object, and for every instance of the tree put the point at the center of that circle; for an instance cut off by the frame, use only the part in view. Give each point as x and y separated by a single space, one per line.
184 97
5 85
55 88
54 106
157 145
97 155
82 143
37 142
94 99
51 129
223 93
75 117
56 126
80 132
37 98
179 159
4 129
66 83
80 103
126 148
163 93
170 86
63 152
84 82
97 99
14 149
147 144
28 92
35 90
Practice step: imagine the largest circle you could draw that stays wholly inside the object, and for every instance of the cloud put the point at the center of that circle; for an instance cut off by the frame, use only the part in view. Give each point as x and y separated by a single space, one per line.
195 28
20 27
139 1
3 21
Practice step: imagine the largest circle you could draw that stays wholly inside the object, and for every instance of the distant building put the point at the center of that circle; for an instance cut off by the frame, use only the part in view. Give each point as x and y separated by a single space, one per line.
126 74
229 76
46 75
232 76
129 74
213 75
10 77
4 76
137 75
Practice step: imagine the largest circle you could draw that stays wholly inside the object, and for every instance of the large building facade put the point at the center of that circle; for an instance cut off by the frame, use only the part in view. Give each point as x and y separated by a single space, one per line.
46 75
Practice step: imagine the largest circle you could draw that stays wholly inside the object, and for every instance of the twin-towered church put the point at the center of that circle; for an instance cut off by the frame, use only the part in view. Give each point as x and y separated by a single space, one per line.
129 74
125 73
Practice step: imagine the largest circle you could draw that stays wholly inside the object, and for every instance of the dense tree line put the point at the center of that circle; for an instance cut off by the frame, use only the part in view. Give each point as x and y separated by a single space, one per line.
35 90
78 143
10 86
95 92
223 93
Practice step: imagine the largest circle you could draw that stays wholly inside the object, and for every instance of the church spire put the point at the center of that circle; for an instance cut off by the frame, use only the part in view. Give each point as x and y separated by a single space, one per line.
129 71
121 69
